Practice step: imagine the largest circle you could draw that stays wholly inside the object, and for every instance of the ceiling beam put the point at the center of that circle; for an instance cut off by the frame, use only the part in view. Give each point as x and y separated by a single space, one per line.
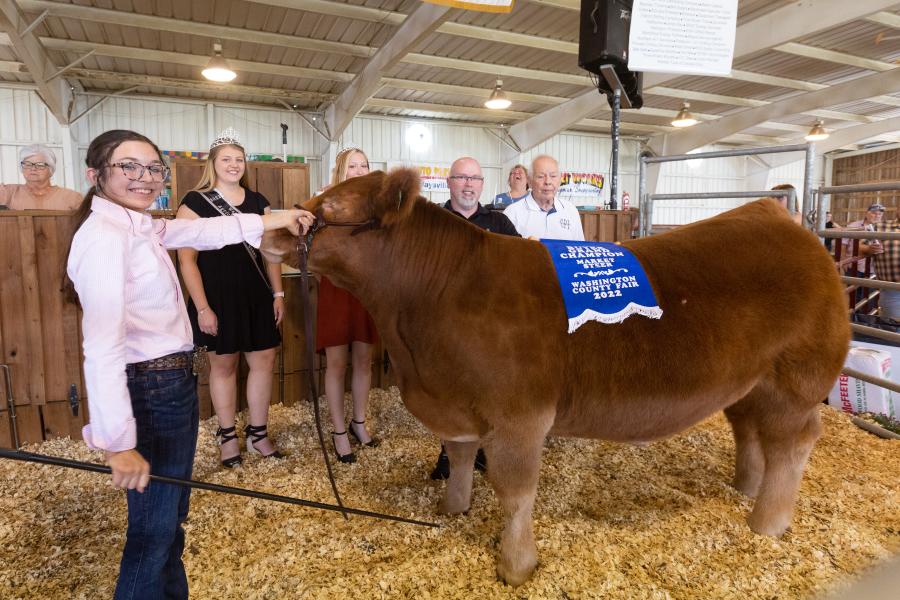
133 19
152 22
290 96
885 18
840 58
777 27
841 138
707 133
461 90
182 58
11 66
566 4
377 15
32 54
420 23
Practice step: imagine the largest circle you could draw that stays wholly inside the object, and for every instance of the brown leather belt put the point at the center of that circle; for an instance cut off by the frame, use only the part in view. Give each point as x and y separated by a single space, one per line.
194 360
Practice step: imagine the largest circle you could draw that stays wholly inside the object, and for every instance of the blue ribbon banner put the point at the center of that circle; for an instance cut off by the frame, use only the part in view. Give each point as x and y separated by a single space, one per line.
601 281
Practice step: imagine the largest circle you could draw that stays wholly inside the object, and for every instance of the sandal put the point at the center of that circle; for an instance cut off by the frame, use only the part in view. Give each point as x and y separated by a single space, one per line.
225 435
256 434
372 443
344 458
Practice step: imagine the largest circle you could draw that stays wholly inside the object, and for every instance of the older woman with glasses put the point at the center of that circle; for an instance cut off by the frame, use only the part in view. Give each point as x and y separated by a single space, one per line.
38 164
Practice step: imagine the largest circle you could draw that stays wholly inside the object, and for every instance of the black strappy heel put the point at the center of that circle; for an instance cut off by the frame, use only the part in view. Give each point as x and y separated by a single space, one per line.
344 458
372 443
255 434
225 435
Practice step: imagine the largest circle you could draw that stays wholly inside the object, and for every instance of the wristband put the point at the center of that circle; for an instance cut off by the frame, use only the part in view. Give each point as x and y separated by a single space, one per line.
278 295
202 310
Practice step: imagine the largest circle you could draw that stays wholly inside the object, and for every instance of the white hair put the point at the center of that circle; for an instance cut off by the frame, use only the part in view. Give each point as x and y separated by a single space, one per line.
39 150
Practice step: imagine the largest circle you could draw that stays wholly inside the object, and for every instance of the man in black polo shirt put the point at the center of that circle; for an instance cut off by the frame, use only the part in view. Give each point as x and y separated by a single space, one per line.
466 183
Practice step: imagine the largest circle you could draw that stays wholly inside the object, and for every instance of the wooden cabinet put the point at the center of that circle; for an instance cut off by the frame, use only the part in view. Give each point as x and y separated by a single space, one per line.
283 184
607 225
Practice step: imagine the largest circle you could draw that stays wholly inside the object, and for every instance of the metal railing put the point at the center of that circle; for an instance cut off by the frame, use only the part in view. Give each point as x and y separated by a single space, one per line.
646 200
11 406
821 194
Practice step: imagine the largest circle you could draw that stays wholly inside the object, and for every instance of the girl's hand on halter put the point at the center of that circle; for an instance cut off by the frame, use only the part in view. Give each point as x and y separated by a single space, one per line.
129 470
295 220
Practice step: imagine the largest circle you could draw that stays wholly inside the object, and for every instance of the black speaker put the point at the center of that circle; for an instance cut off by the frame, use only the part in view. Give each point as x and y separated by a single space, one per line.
603 40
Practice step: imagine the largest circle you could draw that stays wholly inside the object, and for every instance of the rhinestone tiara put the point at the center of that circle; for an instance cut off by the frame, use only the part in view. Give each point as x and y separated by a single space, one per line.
228 137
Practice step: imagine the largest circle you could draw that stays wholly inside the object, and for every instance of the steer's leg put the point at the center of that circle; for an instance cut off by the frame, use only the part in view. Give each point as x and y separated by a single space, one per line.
787 437
458 494
514 459
749 462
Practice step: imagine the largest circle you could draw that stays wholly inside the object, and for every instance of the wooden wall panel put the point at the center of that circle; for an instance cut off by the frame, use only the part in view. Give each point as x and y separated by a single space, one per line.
295 183
16 352
875 167
32 311
28 419
268 182
59 421
606 225
6 440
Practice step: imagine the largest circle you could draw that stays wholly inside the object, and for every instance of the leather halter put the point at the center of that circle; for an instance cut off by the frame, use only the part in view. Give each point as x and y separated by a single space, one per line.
320 223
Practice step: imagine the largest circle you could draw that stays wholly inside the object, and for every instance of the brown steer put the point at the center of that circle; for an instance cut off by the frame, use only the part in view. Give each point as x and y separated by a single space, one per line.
754 323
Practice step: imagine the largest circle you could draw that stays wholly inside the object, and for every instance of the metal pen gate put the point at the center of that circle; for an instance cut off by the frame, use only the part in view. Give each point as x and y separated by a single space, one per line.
815 220
821 194
647 200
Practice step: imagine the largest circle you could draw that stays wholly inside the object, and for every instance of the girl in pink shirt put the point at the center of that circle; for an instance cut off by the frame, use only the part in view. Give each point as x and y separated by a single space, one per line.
142 393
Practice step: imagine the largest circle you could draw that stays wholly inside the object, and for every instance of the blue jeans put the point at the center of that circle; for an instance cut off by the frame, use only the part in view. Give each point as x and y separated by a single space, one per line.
167 415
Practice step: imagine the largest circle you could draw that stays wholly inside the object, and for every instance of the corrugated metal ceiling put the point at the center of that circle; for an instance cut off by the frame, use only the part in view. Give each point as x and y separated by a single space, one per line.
481 58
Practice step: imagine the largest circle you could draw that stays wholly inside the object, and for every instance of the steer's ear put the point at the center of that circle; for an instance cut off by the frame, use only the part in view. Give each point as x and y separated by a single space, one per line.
399 190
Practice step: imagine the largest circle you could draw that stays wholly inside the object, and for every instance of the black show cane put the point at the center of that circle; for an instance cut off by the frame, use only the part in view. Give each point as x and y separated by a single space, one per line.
200 485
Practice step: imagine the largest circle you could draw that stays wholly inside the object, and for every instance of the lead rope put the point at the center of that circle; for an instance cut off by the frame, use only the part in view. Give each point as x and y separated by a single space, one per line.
302 251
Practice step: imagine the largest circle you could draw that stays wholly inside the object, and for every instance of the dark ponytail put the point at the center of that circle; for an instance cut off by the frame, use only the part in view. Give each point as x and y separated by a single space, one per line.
98 156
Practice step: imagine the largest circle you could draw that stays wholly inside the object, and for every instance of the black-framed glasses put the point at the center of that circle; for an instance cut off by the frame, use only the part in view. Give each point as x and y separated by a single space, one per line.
467 178
134 171
40 166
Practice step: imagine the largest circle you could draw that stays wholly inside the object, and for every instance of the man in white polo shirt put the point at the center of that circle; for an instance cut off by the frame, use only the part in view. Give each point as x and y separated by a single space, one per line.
541 214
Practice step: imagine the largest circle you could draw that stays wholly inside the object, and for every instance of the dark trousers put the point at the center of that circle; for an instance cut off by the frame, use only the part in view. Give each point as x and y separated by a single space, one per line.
167 415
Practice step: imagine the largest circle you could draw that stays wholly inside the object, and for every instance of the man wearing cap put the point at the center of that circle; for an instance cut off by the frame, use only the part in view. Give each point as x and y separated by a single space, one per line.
38 163
541 214
874 215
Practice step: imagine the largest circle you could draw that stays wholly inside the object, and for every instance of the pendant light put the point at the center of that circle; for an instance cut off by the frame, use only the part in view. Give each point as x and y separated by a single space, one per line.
217 68
498 99
817 133
684 118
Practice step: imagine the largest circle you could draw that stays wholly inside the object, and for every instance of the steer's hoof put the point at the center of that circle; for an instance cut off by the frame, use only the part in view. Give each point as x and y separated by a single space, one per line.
515 576
449 507
771 526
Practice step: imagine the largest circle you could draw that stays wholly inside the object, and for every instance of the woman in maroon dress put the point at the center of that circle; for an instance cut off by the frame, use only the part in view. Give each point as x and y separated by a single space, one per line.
344 327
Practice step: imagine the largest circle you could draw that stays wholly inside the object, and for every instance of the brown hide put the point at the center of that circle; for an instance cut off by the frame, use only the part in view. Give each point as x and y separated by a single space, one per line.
475 325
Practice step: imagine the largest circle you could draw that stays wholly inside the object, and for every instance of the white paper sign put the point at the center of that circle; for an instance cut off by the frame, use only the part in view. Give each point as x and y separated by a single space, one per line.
682 36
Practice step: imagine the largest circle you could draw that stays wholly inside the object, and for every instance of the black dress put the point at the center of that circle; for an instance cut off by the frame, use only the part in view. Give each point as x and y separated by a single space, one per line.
234 289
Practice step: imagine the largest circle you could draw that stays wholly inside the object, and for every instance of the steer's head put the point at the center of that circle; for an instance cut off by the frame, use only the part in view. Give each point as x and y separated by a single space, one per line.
358 206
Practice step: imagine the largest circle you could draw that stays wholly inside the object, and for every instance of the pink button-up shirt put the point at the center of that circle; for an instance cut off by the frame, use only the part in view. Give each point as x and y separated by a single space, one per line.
132 302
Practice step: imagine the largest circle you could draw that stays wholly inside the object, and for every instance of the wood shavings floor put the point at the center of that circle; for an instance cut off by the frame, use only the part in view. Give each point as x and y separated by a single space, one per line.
611 521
